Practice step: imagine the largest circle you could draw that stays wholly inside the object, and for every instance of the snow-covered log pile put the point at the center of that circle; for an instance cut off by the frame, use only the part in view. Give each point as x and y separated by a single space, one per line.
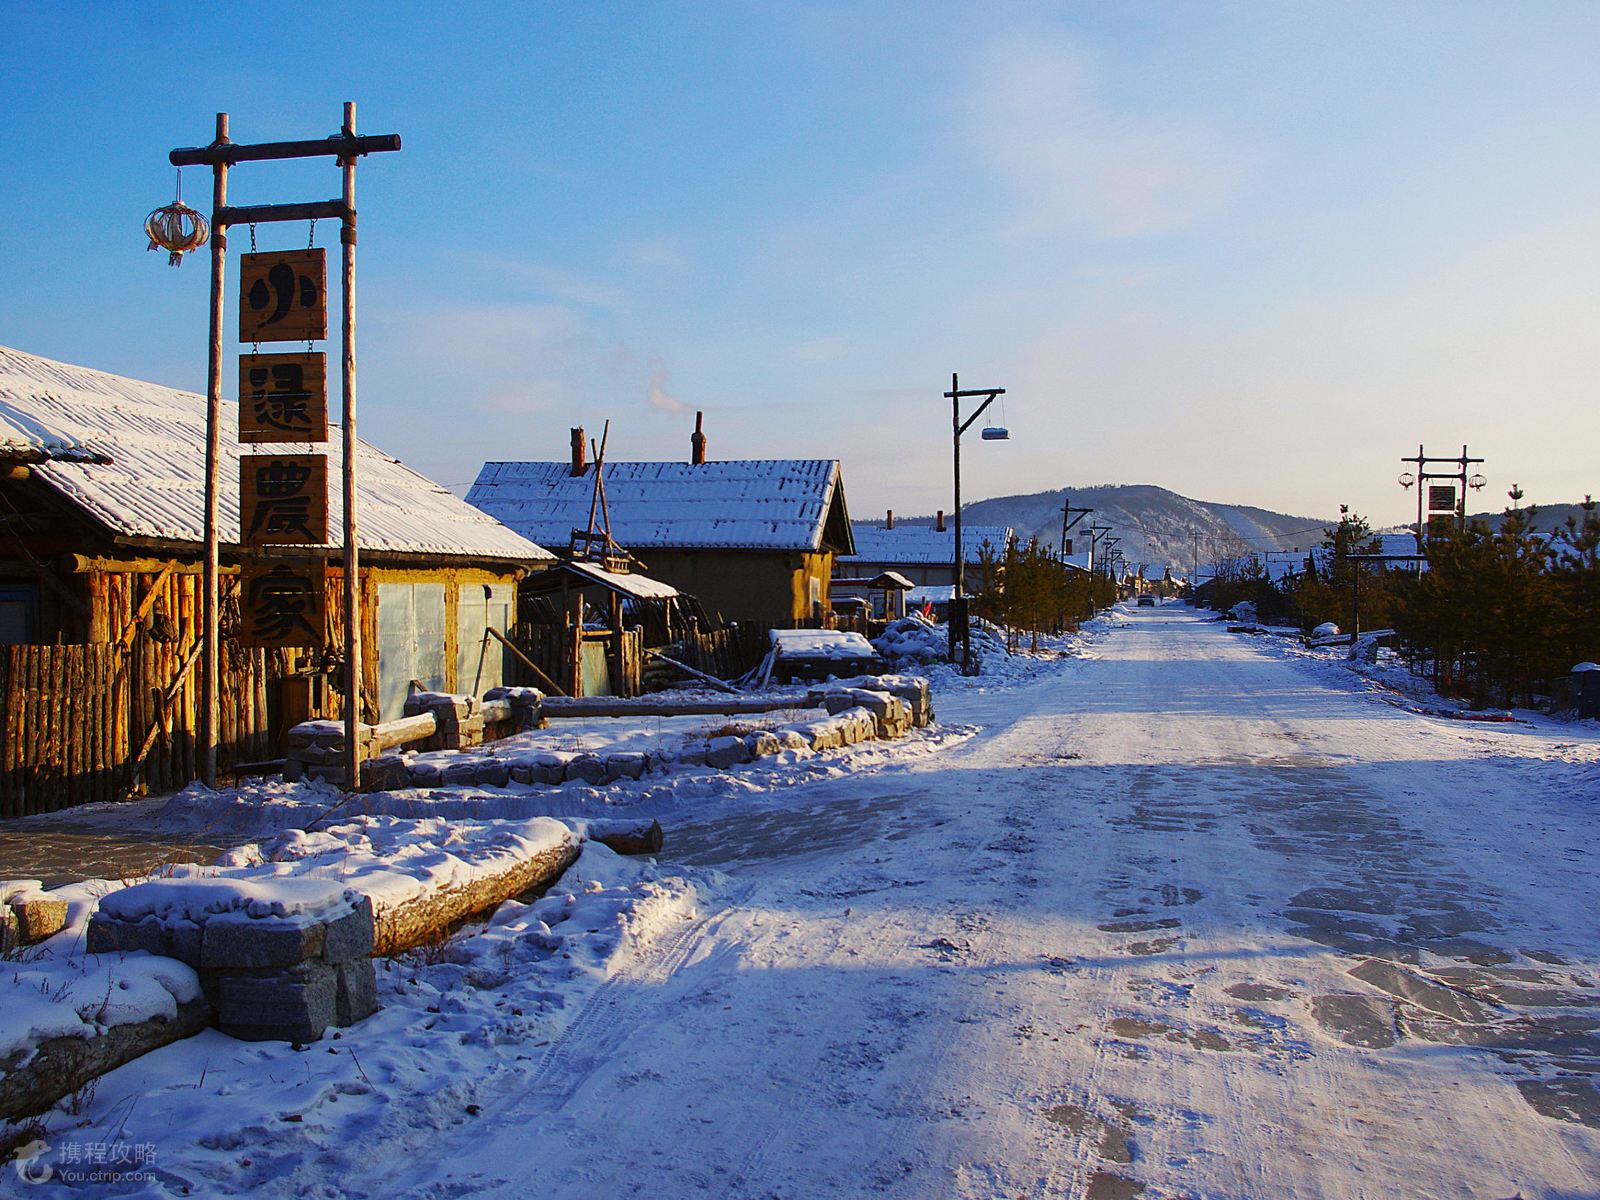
421 876
432 721
858 709
67 1020
273 943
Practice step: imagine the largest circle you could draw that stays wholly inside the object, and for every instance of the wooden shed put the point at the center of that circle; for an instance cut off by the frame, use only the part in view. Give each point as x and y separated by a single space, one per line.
101 535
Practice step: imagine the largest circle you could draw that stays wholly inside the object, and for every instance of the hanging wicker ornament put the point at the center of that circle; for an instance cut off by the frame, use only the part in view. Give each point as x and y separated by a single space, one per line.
177 229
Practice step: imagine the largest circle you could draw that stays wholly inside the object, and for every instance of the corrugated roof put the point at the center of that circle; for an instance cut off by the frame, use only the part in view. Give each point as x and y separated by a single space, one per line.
749 504
154 484
912 545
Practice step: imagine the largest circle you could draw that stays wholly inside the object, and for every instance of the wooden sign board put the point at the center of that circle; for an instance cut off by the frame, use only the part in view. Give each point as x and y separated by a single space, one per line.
1441 499
283 398
284 603
283 500
1442 525
283 296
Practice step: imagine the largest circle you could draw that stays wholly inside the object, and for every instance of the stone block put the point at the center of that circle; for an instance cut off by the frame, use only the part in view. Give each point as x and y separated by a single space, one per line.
725 752
355 996
293 770
293 1005
9 935
386 773
184 941
762 744
547 768
792 739
626 764
527 704
426 775
587 768
461 734
107 935
38 919
492 773
692 755
350 936
837 702
255 943
655 761
462 773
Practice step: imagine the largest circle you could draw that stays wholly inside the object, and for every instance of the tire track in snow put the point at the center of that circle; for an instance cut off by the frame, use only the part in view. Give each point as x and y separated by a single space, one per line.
602 1024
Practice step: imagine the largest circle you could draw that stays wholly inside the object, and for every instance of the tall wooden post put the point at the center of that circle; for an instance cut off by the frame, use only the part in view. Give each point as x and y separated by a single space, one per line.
352 577
958 609
209 679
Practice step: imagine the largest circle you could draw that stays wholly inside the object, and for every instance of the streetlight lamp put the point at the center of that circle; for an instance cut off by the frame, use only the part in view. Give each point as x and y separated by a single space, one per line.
959 630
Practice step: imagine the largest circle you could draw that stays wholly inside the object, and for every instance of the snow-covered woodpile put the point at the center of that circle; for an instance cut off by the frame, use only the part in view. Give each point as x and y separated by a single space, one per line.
452 754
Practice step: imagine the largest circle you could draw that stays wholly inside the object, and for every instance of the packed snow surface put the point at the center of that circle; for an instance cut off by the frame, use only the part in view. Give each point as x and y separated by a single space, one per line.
1190 914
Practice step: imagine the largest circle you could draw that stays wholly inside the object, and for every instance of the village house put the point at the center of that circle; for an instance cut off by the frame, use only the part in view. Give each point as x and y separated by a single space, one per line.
101 542
754 540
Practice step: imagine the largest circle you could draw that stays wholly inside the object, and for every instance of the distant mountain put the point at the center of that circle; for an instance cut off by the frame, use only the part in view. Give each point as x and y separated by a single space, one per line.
1157 526
1546 518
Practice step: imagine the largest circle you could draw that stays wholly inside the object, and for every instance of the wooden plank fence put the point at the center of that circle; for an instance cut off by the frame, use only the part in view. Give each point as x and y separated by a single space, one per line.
82 723
726 653
550 648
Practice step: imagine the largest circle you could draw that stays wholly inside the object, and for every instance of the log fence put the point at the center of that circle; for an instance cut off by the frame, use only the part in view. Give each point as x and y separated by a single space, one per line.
84 723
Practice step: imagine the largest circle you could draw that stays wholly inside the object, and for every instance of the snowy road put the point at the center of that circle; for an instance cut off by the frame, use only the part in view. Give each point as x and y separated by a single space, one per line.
1186 919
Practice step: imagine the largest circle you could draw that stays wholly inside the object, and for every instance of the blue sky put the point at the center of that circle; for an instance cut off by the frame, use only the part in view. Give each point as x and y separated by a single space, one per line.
1251 252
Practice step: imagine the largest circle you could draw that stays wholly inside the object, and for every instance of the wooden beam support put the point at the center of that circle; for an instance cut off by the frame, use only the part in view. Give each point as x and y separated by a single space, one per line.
265 214
340 145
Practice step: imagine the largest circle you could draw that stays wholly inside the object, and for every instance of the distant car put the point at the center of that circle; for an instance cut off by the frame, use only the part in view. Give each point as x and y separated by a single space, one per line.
1147 601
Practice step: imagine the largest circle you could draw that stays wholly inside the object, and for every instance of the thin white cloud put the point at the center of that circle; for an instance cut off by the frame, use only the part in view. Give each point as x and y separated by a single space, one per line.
1075 164
666 255
549 281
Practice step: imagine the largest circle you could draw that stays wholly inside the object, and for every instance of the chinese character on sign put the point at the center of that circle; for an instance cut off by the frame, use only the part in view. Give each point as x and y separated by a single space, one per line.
284 604
283 296
283 398
283 499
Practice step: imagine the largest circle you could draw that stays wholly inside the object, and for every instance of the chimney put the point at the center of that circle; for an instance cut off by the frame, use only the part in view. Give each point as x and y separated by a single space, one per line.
577 451
938 522
697 443
889 524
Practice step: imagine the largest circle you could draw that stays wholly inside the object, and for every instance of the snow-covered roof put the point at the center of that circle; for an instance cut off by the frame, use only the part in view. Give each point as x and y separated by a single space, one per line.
640 587
916 545
145 476
747 504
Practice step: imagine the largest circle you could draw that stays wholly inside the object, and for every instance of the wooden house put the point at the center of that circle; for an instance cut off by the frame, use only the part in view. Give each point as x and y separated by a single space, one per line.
101 540
754 540
925 555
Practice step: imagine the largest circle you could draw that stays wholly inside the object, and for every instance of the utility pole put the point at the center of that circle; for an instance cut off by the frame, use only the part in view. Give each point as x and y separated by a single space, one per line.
1097 534
1068 521
959 630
